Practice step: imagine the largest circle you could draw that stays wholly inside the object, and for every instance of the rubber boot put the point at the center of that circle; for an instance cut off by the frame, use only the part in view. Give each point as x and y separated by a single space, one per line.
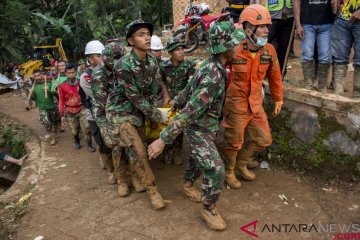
212 218
156 200
356 81
322 76
339 78
191 193
230 160
309 74
88 141
245 155
135 181
178 160
77 142
122 188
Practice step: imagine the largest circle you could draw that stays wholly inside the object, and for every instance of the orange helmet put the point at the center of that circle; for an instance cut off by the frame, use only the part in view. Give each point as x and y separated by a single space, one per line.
256 15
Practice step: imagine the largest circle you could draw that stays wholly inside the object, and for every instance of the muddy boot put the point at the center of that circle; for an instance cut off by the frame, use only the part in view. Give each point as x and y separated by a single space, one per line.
77 142
178 160
102 161
252 164
62 128
89 145
357 82
212 218
244 157
52 139
156 200
111 178
135 181
123 188
323 73
229 157
309 74
339 78
191 193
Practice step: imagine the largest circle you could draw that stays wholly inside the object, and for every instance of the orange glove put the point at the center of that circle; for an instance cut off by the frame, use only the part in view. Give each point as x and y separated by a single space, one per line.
277 109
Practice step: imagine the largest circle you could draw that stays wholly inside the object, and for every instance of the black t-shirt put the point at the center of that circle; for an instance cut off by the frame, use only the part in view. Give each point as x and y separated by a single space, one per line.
316 12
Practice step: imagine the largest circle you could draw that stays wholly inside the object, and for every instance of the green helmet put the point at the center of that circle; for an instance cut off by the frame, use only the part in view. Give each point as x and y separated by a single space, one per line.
81 61
113 51
223 36
136 25
174 42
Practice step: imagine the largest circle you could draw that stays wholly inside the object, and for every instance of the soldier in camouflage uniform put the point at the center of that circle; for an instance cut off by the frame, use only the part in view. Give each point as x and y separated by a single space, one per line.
175 74
131 100
48 110
101 85
201 104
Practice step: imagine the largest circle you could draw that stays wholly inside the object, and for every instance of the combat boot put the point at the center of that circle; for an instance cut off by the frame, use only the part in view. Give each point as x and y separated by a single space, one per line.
156 200
191 193
138 186
77 142
111 178
309 74
212 218
231 179
244 156
357 82
61 128
178 160
88 141
339 78
323 73
123 188
252 164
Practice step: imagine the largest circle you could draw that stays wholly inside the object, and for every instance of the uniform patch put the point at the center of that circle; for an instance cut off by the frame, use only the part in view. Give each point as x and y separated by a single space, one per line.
239 61
265 58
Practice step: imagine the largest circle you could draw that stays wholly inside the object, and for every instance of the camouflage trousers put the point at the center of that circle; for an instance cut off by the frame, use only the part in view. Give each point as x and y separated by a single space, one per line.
77 121
50 119
130 140
204 157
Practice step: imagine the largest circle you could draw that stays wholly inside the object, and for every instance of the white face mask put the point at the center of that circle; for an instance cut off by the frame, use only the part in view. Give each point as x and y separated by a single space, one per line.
260 42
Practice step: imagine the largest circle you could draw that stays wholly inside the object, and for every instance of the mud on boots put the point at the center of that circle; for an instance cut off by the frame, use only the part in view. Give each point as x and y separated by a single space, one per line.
191 192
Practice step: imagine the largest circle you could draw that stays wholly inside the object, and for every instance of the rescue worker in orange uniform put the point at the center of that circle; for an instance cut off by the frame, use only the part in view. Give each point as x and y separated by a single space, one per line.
255 59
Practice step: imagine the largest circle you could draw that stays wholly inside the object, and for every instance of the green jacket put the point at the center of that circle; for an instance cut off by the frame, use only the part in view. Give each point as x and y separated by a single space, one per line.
201 101
133 96
39 97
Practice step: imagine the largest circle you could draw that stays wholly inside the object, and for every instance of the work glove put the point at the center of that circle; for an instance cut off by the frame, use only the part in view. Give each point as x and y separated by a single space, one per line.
277 108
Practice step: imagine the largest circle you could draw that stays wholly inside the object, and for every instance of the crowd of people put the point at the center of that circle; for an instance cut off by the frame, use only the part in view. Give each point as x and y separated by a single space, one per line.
115 94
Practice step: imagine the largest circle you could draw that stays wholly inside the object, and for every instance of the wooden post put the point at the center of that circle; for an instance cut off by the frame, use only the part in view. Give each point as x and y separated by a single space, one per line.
45 86
32 90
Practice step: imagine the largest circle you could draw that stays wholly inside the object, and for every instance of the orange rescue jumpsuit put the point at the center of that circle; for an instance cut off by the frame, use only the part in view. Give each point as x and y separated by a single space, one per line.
243 104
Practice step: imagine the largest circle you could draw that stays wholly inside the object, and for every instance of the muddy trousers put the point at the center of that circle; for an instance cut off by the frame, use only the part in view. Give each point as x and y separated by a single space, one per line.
77 121
50 119
204 157
130 141
258 133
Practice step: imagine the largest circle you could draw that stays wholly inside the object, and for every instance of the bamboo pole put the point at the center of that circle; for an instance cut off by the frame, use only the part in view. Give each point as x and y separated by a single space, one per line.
288 50
45 86
32 90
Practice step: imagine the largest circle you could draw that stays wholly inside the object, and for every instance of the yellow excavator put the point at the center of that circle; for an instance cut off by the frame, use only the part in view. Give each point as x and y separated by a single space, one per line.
42 57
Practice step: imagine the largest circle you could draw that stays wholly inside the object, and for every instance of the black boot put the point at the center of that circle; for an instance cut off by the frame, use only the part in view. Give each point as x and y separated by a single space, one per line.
77 142
89 143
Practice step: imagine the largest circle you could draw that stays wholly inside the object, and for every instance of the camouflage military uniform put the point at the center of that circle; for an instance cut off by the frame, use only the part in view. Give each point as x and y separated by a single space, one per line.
201 102
129 103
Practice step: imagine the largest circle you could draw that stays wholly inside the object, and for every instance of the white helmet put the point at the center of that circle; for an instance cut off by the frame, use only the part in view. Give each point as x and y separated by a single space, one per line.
156 43
94 47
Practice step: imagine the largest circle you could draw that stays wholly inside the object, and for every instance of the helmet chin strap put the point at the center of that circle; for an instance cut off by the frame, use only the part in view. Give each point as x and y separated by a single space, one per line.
251 37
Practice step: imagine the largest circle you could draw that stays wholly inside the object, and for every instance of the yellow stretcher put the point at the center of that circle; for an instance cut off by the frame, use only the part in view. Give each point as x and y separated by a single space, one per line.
154 133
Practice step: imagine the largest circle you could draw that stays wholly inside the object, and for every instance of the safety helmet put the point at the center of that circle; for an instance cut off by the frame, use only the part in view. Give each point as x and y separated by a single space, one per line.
255 14
156 43
94 47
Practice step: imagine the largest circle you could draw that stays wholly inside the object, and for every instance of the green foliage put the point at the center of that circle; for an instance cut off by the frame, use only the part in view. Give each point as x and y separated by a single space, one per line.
14 140
25 23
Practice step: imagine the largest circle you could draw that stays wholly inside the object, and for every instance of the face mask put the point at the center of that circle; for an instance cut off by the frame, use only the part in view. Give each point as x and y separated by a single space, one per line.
260 42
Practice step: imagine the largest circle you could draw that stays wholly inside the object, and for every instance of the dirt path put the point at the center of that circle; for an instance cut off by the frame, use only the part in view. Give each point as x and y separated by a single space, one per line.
75 201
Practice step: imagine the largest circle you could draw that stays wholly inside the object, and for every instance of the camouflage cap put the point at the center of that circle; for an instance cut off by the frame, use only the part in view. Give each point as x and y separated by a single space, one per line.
81 61
113 51
173 42
223 36
136 25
